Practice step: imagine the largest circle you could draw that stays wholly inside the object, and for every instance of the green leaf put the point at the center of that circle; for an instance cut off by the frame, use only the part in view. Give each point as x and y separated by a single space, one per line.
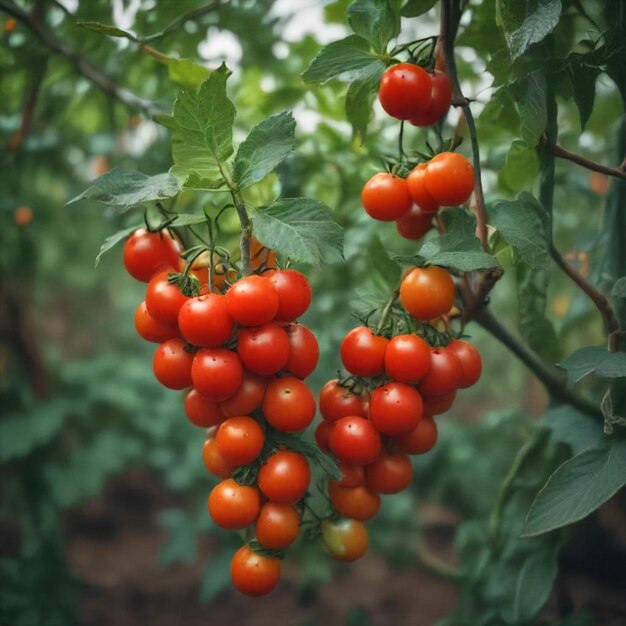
413 8
573 428
181 544
579 487
125 189
347 58
216 575
360 97
529 95
521 167
619 288
377 21
268 144
188 219
192 180
584 85
300 228
105 29
114 239
597 360
186 73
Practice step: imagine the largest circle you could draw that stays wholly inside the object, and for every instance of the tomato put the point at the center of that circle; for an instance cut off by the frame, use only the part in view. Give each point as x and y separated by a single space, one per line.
391 472
395 408
239 440
353 475
151 330
358 503
204 321
427 292
247 398
252 301
164 300
345 539
355 441
449 178
407 358
261 255
405 90
420 440
445 373
172 364
436 405
415 224
217 373
213 460
294 293
263 349
416 184
234 506
277 526
469 358
254 574
322 434
385 197
201 411
285 476
304 351
337 402
288 405
145 253
362 352
440 100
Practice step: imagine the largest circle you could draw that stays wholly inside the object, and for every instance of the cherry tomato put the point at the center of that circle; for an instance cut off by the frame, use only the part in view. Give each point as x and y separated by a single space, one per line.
391 472
353 475
469 358
445 373
405 90
304 351
254 574
322 434
385 197
449 178
145 253
407 358
263 349
294 293
234 506
213 461
337 402
436 405
355 441
247 398
440 100
358 503
252 301
288 404
217 373
420 440
362 352
172 364
285 476
345 539
201 411
151 330
239 440
261 255
163 300
427 292
395 408
415 224
277 526
416 184
204 321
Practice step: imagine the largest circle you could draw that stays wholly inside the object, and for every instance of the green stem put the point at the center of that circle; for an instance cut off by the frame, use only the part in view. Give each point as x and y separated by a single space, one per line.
387 310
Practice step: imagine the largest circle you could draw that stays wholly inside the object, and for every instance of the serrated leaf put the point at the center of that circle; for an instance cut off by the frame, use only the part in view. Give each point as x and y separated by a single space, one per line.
597 360
187 219
619 288
414 8
377 21
529 95
105 29
360 97
579 487
112 240
193 180
584 85
300 228
521 167
268 144
186 73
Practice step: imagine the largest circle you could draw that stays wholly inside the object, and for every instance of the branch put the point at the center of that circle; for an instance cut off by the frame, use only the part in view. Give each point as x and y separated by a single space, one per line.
562 153
194 14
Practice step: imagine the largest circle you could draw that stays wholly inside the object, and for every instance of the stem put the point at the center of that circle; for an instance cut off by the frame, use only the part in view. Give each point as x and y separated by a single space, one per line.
435 565
562 153
190 15
401 141
211 260
387 310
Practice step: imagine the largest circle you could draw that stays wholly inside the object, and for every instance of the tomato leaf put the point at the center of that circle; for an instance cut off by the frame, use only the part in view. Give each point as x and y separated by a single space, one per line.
584 86
414 8
360 97
521 167
105 29
185 72
529 96
572 428
597 360
113 240
377 21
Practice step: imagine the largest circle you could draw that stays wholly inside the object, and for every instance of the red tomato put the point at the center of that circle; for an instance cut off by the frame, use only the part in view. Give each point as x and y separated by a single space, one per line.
234 506
247 398
151 330
415 224
145 253
358 503
407 358
163 300
304 351
353 475
436 405
445 373
355 441
294 293
213 461
337 402
264 349
345 539
449 178
252 301
440 100
254 574
469 358
395 408
405 90
285 476
217 373
391 472
277 526
239 440
288 405
322 434
420 440
204 321
427 292
202 412
362 352
385 197
172 364
416 184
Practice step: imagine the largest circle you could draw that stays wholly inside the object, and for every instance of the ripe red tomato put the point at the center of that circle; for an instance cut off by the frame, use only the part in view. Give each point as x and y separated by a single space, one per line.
385 197
172 364
254 574
427 292
416 184
285 476
217 373
469 358
247 398
415 224
445 374
440 100
407 358
151 330
449 178
337 402
304 351
201 411
288 404
252 301
163 300
213 461
420 440
391 472
405 90
353 475
355 441
145 253
436 405
239 440
322 434
204 321
277 526
358 503
294 293
362 352
345 539
395 408
234 506
264 349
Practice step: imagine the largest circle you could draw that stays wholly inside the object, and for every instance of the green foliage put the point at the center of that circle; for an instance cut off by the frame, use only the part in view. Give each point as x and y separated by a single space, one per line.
595 360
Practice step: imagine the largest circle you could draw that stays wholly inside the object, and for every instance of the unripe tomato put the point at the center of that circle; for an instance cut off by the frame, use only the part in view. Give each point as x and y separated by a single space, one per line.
304 351
421 439
234 506
345 539
337 402
285 476
362 352
440 100
172 364
391 472
445 373
355 441
254 574
449 178
405 90
416 184
201 411
252 301
395 408
239 440
204 321
407 358
353 475
263 349
213 461
469 358
164 300
358 503
322 434
145 253
427 292
385 197
151 330
436 405
277 526
217 373
294 293
415 224
288 405
247 398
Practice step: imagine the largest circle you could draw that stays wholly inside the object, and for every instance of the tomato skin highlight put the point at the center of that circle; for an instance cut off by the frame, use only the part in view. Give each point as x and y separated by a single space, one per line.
285 477
150 329
263 349
427 292
213 461
254 574
277 526
470 360
288 404
217 373
362 352
345 539
304 351
421 439
239 440
337 402
201 411
395 408
247 398
233 506
164 300
416 184
172 364
444 375
440 100
405 90
204 321
359 503
252 301
294 293
145 253
415 224
449 179
392 472
407 358
385 197
355 441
